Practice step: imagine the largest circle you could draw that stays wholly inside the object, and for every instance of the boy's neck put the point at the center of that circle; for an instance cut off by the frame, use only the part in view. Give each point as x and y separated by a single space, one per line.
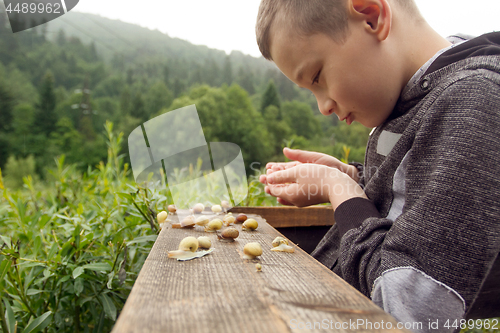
420 43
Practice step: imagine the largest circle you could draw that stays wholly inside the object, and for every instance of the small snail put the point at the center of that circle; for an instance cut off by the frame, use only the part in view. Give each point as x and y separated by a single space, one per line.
202 220
252 250
188 222
161 217
241 218
229 234
204 242
225 204
172 209
187 250
249 225
198 208
281 245
216 209
212 226
229 219
258 267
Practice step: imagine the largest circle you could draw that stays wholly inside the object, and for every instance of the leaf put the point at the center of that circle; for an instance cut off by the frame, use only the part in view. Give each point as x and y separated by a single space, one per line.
78 286
110 280
4 268
77 272
109 306
98 266
6 240
39 323
143 239
31 292
9 317
52 251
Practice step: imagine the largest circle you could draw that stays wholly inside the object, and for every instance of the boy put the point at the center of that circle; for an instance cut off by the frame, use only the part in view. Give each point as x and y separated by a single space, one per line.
418 227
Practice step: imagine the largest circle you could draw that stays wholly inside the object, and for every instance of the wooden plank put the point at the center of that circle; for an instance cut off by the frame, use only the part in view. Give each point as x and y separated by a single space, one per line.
223 293
285 217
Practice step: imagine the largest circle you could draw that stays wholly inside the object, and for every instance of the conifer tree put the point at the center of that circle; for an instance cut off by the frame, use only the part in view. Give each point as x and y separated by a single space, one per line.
45 117
271 97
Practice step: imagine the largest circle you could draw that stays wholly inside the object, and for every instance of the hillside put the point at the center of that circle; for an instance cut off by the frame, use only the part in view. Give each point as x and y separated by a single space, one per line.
117 37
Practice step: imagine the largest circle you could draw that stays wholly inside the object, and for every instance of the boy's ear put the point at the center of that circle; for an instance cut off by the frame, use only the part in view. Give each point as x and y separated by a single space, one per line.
376 14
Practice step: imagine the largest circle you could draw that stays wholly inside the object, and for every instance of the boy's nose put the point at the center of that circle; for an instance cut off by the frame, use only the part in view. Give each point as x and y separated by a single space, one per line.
326 105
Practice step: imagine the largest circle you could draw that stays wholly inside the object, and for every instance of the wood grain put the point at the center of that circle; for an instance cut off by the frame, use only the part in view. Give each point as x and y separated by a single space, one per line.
223 293
285 217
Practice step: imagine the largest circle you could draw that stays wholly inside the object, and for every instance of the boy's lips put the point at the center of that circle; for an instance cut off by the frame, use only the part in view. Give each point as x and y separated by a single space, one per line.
348 119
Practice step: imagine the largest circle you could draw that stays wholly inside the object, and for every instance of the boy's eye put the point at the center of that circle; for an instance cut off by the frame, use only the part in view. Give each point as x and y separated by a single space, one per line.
316 78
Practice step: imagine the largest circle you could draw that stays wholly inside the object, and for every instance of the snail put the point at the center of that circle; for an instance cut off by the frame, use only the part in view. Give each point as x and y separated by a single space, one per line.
161 217
241 218
249 225
229 234
216 209
212 226
198 208
187 250
188 222
258 267
229 219
225 204
202 220
252 250
281 245
204 242
172 209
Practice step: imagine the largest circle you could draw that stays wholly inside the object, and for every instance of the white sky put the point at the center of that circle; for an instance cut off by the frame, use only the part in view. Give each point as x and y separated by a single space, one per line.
229 24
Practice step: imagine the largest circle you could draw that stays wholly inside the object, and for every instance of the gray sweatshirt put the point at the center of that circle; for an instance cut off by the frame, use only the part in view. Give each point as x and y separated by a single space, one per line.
424 246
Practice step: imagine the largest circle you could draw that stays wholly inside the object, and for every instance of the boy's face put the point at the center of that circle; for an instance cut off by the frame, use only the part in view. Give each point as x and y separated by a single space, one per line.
355 80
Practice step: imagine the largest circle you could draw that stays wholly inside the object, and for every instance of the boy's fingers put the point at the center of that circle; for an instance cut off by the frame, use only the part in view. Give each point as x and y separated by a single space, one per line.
262 179
280 177
284 202
303 156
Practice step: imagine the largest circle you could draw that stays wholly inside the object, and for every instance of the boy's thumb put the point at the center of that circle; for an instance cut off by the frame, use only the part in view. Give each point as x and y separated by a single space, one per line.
298 155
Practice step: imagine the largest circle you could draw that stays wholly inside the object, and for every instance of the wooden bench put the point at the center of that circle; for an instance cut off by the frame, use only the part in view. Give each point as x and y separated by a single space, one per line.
221 292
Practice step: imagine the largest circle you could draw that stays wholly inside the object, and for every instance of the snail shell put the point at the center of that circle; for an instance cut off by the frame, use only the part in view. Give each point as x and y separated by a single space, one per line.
188 222
212 226
225 204
198 208
252 250
250 224
241 218
216 209
172 209
189 244
204 242
229 219
161 217
279 240
202 221
230 233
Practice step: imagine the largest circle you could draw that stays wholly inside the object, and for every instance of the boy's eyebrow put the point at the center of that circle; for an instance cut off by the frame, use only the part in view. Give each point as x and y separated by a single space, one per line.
300 73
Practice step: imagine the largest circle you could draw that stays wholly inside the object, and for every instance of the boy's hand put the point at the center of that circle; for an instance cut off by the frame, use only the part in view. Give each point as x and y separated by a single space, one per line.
303 156
309 184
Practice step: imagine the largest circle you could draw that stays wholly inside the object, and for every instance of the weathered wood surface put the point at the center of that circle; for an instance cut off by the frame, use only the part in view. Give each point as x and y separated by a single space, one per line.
223 293
285 217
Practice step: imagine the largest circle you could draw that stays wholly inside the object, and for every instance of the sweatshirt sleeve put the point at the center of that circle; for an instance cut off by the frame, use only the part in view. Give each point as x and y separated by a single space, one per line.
429 262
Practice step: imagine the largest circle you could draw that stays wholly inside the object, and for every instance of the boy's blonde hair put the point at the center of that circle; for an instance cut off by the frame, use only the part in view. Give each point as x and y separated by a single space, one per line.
308 17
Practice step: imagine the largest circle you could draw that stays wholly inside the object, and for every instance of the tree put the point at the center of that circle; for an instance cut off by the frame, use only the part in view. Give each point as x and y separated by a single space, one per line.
6 106
137 108
227 73
157 97
45 117
271 97
301 119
